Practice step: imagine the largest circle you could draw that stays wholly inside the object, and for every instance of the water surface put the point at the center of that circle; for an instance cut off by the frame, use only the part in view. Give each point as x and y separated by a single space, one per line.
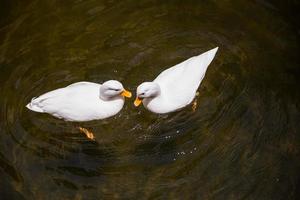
242 142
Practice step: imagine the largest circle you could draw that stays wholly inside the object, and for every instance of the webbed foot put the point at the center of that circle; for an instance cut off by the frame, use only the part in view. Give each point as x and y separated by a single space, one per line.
194 104
88 134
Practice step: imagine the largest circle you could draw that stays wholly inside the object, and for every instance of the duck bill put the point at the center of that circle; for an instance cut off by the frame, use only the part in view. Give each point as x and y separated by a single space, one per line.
137 102
126 93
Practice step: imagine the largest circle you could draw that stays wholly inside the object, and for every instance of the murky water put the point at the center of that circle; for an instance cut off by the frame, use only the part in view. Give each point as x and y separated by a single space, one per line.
242 142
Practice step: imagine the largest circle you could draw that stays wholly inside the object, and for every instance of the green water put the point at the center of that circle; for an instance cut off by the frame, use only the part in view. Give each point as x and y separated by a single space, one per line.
242 142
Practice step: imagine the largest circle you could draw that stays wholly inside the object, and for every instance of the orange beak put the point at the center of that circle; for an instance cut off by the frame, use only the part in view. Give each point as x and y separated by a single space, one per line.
126 93
137 102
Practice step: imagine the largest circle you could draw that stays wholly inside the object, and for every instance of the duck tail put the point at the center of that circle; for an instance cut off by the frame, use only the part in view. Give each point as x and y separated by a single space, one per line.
208 57
211 53
33 106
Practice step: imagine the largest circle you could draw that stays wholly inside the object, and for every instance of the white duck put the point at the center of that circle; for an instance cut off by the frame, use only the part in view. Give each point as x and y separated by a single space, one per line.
175 87
82 101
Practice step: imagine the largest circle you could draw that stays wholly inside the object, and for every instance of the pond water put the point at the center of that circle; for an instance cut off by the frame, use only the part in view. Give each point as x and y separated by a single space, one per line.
242 142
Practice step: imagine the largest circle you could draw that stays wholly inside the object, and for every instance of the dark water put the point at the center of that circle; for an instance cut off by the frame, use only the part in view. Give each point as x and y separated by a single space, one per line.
242 142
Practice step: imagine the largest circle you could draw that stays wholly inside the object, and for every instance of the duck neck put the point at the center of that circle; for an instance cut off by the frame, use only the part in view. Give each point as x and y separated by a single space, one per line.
156 90
104 96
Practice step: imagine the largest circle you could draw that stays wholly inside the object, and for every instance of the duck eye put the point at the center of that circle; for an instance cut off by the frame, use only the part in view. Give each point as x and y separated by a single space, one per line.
115 89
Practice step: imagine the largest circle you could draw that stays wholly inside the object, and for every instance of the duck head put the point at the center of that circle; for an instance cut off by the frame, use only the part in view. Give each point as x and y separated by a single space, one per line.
146 90
111 89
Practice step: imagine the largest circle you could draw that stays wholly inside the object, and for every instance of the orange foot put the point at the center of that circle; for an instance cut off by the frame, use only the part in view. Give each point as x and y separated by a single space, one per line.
194 105
88 134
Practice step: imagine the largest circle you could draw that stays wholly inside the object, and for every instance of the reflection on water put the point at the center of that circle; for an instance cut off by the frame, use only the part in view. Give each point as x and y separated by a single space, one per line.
241 143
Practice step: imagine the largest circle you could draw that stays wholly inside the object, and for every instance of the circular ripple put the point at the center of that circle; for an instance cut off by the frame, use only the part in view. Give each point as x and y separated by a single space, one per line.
232 145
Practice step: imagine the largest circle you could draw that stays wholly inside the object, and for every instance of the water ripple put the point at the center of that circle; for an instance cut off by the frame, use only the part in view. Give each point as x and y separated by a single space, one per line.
240 139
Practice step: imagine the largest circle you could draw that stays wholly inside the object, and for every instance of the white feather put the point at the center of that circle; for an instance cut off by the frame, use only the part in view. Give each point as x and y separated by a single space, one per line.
76 102
179 83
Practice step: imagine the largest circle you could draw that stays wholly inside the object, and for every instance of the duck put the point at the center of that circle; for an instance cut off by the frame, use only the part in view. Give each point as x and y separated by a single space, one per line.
175 87
82 101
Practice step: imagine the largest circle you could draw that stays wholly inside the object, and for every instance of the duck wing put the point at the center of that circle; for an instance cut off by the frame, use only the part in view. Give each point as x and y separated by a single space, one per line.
180 82
56 100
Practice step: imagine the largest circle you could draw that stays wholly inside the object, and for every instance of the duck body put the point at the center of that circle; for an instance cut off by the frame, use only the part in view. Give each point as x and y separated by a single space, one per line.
77 102
178 84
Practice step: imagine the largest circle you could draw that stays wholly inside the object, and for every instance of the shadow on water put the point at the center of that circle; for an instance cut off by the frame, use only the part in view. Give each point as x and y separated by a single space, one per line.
242 142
